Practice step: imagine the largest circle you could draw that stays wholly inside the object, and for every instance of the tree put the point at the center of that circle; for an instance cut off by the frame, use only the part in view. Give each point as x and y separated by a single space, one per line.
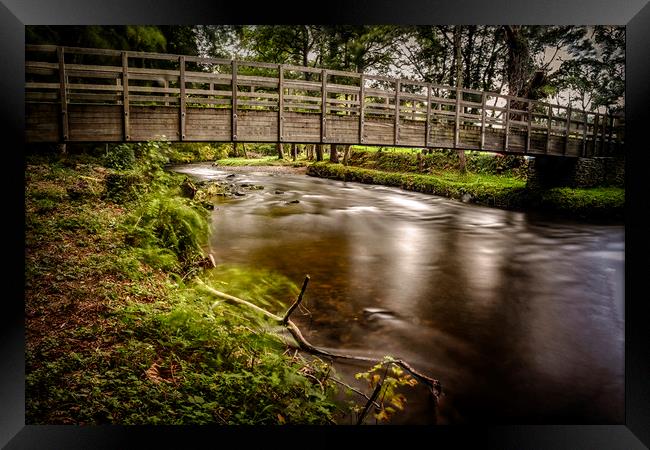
120 37
282 44
217 41
459 84
598 76
334 157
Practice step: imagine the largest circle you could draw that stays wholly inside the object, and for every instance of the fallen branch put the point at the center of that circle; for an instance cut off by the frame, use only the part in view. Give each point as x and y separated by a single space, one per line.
342 383
371 400
297 302
433 384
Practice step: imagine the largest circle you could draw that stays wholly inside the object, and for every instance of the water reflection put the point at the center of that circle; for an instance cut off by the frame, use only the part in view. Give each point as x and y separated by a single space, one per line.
521 317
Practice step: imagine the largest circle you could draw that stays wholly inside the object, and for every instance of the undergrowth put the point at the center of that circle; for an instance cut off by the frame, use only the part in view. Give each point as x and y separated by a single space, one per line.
118 331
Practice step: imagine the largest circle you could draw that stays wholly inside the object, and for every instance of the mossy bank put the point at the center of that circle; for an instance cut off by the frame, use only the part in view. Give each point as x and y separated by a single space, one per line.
118 331
489 180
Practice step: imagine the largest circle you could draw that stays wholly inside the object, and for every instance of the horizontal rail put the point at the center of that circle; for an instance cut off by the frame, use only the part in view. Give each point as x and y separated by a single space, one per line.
352 104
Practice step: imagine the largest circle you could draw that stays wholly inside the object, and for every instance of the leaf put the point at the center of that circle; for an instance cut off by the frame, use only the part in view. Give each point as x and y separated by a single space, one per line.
398 401
382 416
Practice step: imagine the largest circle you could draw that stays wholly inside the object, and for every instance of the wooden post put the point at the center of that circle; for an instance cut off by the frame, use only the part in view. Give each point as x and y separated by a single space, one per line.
166 84
507 142
118 83
323 106
567 131
234 100
529 125
181 81
548 129
584 133
616 124
63 95
398 86
125 96
362 93
280 101
427 125
483 117
459 95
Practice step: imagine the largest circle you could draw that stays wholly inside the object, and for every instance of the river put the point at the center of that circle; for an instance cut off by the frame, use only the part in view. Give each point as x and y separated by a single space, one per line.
519 315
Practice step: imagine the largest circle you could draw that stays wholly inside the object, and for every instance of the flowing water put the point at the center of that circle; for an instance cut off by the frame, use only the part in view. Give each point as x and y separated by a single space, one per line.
520 316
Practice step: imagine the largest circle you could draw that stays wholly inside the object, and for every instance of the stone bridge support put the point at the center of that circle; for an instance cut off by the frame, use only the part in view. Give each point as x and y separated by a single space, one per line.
554 171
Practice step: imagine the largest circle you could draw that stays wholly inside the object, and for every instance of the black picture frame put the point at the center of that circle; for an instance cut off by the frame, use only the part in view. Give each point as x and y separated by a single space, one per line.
634 14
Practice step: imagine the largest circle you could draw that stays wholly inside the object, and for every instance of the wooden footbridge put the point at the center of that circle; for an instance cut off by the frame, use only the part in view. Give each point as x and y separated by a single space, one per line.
99 95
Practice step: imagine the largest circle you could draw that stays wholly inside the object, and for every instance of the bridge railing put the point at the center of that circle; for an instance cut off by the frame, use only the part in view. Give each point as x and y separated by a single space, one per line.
103 94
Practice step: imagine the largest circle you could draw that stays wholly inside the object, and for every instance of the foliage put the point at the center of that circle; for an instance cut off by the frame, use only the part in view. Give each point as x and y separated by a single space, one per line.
491 190
599 202
391 377
121 157
482 189
270 290
163 226
186 152
126 340
598 76
122 37
406 160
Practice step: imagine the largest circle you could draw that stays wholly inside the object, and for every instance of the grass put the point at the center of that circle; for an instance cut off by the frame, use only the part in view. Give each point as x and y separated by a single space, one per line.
117 331
478 188
491 180
375 148
597 202
505 191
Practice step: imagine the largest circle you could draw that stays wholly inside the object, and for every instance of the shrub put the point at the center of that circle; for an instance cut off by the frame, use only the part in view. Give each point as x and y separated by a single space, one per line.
185 152
122 187
120 157
163 226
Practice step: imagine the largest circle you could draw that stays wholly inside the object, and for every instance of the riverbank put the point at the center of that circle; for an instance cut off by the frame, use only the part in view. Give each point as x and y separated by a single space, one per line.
117 329
504 191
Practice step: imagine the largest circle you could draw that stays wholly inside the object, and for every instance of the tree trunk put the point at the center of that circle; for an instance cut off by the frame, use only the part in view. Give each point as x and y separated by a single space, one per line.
334 157
346 155
518 61
462 163
243 146
319 152
280 151
294 152
459 84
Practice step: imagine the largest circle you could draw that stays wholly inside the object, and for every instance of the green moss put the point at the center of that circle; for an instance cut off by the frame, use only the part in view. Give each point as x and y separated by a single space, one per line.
482 189
129 337
187 152
598 202
416 160
490 190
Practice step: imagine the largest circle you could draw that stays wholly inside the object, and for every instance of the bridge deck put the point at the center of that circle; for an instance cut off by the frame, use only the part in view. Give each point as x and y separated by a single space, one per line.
94 95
